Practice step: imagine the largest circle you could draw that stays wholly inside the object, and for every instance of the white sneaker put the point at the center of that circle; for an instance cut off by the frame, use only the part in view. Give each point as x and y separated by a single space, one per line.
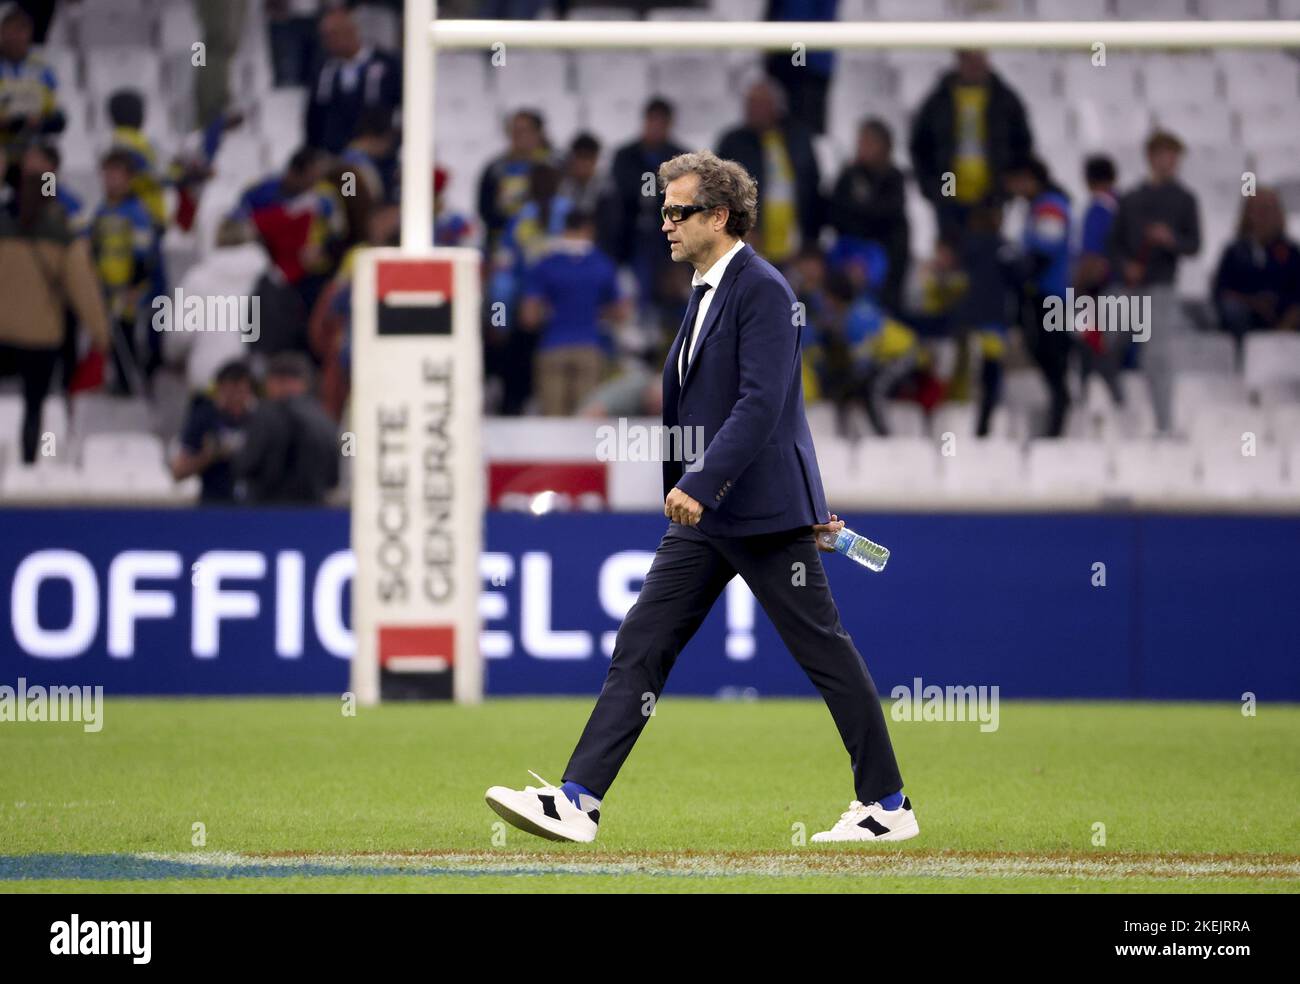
547 812
872 822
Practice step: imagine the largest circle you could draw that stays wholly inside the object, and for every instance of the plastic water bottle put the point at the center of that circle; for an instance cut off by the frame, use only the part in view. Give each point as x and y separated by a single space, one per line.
858 548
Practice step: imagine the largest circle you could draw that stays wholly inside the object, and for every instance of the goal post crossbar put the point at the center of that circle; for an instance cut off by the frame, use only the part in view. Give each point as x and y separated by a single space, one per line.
825 35
425 34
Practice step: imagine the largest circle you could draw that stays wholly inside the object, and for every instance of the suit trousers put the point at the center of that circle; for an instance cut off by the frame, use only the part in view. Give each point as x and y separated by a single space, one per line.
689 572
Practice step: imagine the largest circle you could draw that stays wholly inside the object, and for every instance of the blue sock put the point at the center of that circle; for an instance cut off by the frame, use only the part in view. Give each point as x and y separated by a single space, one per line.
573 790
893 801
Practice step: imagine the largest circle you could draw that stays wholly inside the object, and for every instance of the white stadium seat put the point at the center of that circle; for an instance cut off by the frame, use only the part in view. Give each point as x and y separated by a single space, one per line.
122 449
1156 471
1271 357
1068 469
983 469
896 468
1193 391
1229 474
1156 10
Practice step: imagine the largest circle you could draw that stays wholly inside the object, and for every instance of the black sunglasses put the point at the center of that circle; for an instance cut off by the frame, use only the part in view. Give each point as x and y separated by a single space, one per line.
676 213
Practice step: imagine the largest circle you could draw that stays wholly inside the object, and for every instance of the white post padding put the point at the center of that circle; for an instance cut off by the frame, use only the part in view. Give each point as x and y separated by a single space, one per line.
417 480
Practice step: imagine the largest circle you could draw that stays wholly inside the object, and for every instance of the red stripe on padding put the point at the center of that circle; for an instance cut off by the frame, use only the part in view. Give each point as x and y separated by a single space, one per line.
399 641
414 275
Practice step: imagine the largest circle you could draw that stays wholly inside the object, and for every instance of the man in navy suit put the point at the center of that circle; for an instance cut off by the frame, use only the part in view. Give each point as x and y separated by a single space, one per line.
752 504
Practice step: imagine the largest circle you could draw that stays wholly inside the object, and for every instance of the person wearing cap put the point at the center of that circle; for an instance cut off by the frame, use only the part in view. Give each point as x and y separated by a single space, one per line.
1157 223
290 454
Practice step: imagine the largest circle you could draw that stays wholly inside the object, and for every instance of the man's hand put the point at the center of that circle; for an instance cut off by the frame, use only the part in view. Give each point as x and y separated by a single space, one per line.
681 508
833 527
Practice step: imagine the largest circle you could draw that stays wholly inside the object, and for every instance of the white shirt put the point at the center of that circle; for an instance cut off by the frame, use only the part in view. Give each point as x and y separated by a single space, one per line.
712 277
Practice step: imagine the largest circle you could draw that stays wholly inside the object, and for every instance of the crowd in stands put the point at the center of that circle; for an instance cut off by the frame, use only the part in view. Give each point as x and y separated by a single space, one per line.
574 248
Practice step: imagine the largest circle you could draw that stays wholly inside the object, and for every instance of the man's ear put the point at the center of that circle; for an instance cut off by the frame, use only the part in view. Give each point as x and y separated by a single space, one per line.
725 214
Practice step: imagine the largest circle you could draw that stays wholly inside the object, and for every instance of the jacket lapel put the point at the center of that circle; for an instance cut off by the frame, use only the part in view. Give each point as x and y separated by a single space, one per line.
715 307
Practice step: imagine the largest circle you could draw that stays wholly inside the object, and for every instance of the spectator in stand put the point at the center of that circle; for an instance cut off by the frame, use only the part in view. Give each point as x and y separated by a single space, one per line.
449 228
971 126
369 155
567 295
966 290
1103 352
1257 285
122 239
582 183
776 148
29 106
1156 224
214 431
1044 276
808 81
633 236
539 220
298 220
44 267
222 22
290 453
868 206
867 356
353 79
504 186
295 43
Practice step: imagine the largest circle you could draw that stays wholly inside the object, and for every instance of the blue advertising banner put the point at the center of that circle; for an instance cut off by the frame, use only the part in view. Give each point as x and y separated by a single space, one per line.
215 601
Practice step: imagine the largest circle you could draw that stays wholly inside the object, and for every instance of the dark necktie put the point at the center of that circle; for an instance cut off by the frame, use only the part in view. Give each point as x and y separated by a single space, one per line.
692 311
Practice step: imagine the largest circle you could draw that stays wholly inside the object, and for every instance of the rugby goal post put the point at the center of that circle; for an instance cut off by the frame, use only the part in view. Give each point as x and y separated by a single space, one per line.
417 504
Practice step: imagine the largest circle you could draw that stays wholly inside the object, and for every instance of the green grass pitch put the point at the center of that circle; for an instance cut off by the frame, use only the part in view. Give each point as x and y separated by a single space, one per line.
293 795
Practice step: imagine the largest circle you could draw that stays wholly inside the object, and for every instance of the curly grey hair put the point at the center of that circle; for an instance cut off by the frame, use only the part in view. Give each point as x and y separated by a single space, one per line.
722 182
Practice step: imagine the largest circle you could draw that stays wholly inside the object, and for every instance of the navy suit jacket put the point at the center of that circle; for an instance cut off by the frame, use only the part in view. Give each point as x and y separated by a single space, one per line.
744 388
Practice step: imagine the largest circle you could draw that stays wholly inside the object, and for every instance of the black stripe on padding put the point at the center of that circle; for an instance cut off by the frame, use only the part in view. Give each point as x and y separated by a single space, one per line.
548 807
874 825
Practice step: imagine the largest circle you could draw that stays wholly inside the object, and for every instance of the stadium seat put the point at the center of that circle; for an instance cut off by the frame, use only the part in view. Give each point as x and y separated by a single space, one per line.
1109 125
99 413
45 481
1284 427
1068 469
1271 357
1216 425
1269 123
601 13
1156 10
1237 10
122 67
959 419
909 10
978 10
1228 473
1205 352
1058 10
979 470
1116 82
1183 78
841 481
1156 471
1193 391
120 451
896 468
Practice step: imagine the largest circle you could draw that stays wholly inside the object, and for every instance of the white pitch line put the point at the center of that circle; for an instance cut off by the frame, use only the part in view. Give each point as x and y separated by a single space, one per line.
778 865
